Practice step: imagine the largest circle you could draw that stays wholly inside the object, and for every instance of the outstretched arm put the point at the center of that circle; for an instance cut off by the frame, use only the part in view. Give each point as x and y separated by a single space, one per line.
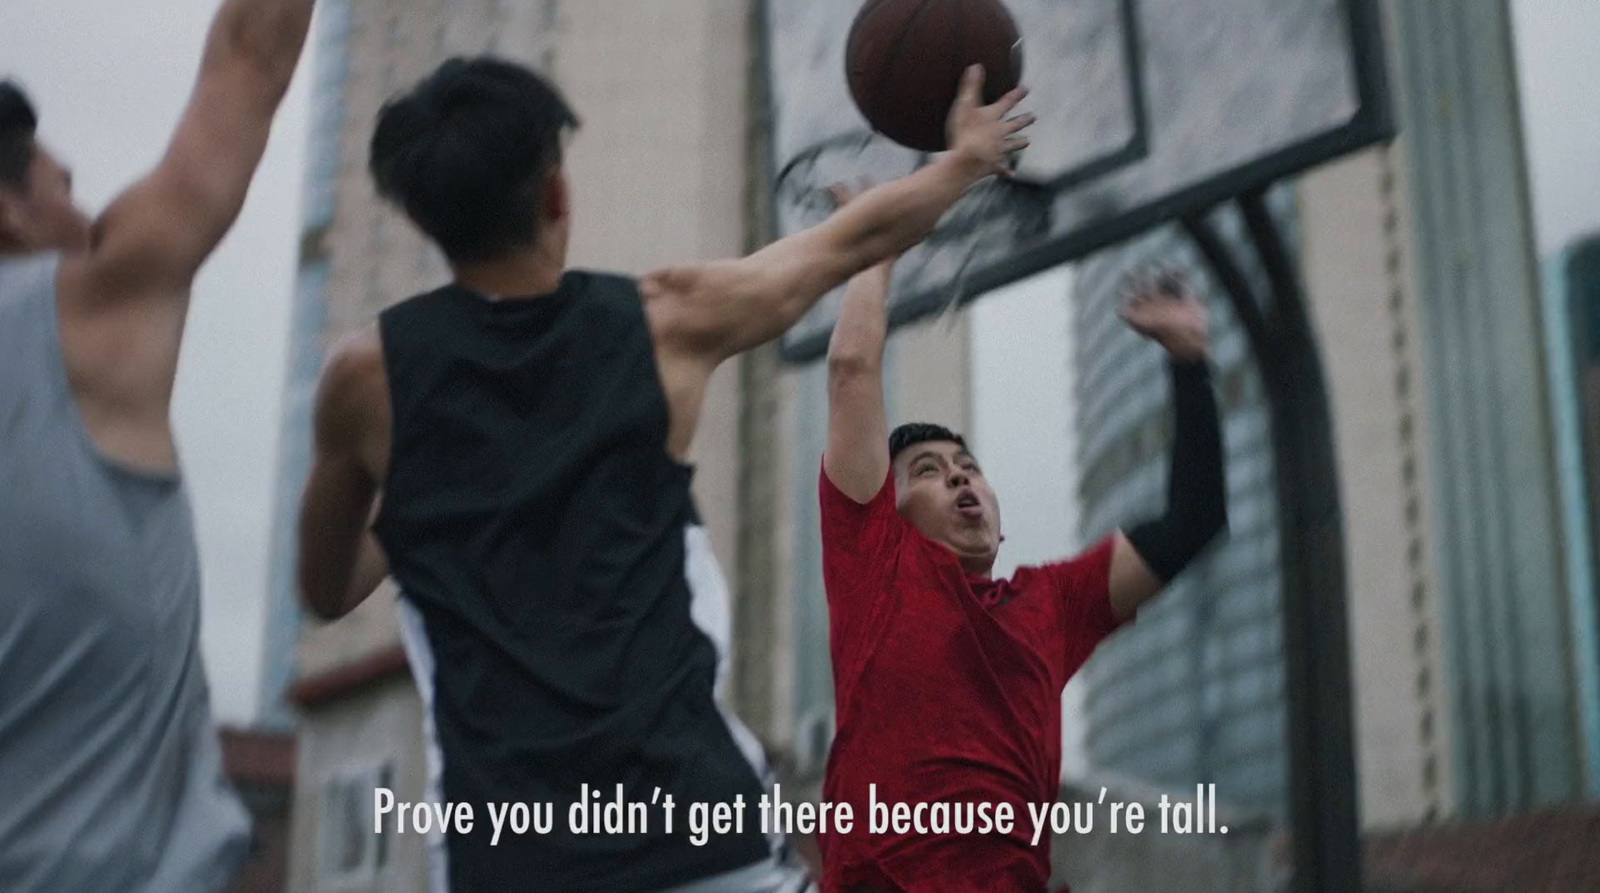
124 301
340 560
857 460
1150 555
712 311
702 314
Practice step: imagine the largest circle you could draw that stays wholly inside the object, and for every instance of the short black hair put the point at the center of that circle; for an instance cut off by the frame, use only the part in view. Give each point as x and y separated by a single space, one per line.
466 152
907 436
18 125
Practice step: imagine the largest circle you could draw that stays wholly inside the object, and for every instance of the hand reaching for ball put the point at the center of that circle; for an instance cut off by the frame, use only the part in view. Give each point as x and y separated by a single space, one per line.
1164 309
983 134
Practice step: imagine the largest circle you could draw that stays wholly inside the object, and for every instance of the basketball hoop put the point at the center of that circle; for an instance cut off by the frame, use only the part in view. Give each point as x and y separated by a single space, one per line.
990 221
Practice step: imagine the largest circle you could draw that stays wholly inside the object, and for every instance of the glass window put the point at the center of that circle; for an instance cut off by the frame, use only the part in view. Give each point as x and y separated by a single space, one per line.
351 852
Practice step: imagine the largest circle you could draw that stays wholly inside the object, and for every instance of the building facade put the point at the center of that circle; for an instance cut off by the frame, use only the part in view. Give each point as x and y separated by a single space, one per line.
1194 691
1468 672
1468 692
1572 326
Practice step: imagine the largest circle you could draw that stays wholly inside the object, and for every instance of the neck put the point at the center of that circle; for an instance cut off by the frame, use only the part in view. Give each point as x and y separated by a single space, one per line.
983 568
525 273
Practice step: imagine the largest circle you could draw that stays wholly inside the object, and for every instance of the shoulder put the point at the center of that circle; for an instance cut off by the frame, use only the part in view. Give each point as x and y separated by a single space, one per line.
610 293
355 360
1087 573
850 526
357 353
832 497
580 281
421 305
354 388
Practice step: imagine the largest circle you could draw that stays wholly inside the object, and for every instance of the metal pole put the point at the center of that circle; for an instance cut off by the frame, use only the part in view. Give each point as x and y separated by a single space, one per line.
1323 791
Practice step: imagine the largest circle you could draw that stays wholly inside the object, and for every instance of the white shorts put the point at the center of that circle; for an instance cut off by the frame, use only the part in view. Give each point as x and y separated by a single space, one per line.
768 876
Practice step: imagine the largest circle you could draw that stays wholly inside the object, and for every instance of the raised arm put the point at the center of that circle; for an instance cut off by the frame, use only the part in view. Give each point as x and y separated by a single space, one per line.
340 563
712 311
151 241
1149 556
857 457
124 301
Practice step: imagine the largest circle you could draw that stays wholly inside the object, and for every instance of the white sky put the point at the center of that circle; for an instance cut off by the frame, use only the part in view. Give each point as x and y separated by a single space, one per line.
1558 50
110 77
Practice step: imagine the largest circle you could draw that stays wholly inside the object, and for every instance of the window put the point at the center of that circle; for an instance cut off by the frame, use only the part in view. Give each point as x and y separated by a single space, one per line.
351 852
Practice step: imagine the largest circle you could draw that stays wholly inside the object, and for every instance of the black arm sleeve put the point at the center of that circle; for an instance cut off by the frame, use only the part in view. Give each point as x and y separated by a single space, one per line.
1197 497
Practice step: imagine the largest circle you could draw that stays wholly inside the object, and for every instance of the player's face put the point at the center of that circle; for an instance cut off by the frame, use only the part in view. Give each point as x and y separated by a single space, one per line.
41 215
940 489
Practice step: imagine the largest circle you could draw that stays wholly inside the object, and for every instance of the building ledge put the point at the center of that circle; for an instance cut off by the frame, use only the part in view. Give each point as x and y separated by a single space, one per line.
346 679
1551 851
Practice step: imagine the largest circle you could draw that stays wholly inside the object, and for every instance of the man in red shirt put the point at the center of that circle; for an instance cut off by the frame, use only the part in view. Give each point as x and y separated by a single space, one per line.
948 682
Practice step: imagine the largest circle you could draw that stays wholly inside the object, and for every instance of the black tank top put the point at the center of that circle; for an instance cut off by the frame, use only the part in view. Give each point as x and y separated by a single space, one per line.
534 518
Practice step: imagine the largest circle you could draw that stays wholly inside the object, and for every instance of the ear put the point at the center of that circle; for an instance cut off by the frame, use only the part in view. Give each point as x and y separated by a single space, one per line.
557 196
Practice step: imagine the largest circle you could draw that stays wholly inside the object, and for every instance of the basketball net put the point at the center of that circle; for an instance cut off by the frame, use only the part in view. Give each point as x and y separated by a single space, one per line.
989 192
860 159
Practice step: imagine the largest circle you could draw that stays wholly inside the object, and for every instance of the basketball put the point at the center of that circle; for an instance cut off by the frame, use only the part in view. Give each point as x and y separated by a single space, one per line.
905 58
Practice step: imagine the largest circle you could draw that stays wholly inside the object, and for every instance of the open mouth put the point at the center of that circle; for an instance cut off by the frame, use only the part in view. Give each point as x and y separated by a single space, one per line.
967 504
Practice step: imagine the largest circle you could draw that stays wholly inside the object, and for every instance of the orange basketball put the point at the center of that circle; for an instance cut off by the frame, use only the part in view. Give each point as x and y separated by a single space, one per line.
905 58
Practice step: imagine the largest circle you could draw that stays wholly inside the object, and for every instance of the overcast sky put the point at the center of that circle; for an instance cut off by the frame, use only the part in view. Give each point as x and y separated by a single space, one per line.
111 76
1558 54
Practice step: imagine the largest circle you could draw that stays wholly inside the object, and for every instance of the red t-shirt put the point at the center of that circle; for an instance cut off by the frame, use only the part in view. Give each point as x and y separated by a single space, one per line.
947 690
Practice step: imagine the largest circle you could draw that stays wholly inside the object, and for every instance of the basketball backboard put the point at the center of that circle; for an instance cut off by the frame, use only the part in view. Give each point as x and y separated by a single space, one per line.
1148 110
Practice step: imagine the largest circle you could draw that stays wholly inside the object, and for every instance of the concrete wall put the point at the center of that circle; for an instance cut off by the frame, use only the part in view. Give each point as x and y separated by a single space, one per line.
658 173
1355 222
380 726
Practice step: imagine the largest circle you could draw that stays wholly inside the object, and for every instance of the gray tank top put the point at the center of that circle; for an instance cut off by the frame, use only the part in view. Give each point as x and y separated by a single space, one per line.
110 770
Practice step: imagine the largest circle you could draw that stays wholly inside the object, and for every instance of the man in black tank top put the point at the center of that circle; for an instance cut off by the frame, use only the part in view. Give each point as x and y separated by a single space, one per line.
526 428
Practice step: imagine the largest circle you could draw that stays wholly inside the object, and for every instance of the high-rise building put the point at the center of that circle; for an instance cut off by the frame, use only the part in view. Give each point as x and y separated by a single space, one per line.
1465 697
1418 266
1195 691
1572 326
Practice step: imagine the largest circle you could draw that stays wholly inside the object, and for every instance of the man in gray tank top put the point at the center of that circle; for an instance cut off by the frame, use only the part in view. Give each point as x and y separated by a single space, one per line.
110 770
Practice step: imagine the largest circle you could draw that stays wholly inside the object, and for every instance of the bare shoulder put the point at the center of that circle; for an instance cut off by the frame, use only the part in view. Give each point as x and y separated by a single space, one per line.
353 398
354 373
359 353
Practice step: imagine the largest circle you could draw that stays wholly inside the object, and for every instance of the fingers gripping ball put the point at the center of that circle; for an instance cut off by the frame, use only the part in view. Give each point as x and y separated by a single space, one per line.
905 58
